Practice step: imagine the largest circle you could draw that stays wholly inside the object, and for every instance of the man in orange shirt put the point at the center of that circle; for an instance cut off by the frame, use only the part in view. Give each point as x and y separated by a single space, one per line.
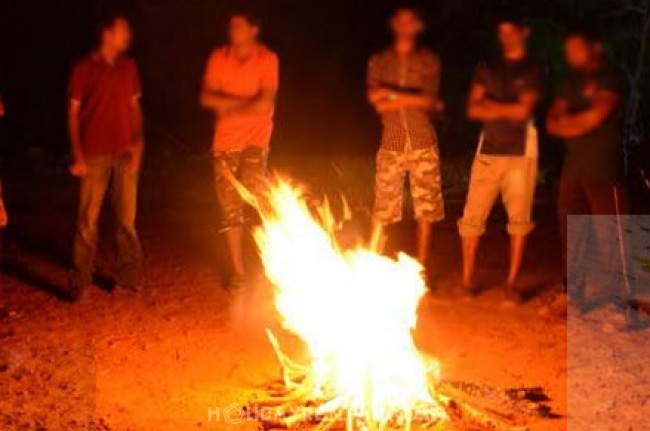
240 85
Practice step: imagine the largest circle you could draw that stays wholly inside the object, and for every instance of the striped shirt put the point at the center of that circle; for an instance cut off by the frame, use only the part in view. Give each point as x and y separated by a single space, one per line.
417 73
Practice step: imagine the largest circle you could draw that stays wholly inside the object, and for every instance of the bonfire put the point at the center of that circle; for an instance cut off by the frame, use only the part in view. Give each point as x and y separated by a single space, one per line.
355 311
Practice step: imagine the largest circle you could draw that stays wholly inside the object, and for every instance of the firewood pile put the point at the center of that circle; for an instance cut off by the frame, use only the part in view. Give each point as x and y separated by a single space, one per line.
468 406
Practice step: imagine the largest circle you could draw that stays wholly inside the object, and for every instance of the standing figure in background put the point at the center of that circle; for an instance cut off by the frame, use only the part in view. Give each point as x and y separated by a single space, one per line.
503 97
403 82
4 219
588 114
240 86
106 136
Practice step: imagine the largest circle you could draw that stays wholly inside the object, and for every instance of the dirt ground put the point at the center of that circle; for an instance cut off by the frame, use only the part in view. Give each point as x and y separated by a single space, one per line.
169 357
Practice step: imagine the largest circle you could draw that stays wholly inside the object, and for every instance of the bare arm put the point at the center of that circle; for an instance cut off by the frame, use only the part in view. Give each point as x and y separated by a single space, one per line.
73 131
138 136
262 103
219 101
519 111
377 94
385 100
421 101
387 105
212 96
558 110
226 104
562 124
479 108
78 168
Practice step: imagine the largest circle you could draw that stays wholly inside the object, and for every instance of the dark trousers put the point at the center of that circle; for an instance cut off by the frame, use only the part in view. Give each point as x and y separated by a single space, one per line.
591 227
106 172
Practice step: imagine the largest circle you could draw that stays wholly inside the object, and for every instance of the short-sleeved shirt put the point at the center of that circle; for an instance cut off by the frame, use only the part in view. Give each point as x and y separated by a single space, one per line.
228 74
506 81
105 93
417 73
598 154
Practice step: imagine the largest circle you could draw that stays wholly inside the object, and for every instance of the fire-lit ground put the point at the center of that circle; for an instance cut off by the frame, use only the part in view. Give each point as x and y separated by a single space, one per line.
167 359
161 360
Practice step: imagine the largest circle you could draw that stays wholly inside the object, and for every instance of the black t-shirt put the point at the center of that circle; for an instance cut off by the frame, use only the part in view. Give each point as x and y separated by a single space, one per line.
596 156
505 81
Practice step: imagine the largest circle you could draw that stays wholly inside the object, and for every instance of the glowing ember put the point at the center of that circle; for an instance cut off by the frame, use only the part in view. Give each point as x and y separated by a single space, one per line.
355 311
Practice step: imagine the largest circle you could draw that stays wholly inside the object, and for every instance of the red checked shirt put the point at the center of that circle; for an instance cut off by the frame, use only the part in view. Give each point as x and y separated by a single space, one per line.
417 73
105 93
227 74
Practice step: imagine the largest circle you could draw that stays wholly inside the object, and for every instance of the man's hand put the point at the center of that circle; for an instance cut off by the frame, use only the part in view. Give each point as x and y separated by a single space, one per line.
567 125
135 159
480 108
134 163
378 94
439 107
79 168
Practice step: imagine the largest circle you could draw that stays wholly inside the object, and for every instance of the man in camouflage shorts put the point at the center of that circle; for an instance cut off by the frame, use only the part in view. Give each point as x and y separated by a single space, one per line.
247 167
240 85
403 83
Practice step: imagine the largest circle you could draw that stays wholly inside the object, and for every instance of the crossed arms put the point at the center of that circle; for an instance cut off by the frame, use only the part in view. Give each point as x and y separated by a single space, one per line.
480 108
227 104
387 100
563 124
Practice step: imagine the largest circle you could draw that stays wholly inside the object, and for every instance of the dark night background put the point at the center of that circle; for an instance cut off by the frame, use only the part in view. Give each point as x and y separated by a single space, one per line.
156 360
323 46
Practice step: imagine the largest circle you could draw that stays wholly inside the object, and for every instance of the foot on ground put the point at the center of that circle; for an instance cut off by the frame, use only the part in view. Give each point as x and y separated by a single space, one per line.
511 295
237 282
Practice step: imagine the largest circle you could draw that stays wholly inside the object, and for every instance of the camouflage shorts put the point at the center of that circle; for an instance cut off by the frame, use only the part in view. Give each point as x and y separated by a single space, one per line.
423 168
248 167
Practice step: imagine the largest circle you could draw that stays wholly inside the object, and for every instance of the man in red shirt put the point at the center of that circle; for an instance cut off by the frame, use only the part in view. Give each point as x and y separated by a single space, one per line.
105 128
240 85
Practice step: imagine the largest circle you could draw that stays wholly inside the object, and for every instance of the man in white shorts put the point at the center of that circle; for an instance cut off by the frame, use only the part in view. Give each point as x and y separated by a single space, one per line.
503 97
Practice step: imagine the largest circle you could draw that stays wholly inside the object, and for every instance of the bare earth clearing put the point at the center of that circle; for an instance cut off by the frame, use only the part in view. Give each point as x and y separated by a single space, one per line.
162 359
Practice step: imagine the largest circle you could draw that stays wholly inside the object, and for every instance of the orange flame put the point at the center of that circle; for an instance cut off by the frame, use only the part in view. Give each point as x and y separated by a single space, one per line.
355 310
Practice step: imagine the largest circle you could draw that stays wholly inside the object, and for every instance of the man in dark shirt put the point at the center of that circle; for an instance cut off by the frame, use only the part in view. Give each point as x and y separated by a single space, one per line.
588 115
403 83
503 97
105 128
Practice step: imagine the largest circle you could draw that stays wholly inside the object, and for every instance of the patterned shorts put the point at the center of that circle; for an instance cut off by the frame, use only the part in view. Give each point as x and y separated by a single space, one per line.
248 167
423 168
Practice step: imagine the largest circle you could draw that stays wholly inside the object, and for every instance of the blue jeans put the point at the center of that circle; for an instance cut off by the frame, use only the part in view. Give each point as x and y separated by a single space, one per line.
105 172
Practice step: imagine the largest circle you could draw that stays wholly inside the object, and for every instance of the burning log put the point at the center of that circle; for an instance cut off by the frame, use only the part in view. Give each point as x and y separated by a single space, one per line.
508 403
492 408
474 406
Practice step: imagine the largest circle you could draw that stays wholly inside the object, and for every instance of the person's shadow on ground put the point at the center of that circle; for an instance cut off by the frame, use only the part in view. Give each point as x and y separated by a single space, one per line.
22 273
